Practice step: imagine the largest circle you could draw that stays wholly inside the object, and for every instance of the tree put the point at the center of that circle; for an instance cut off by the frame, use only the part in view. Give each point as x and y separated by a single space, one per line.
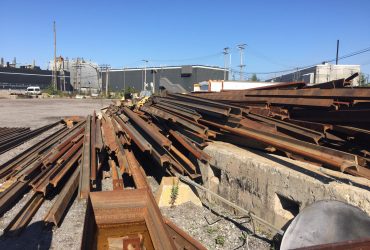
129 90
254 78
362 79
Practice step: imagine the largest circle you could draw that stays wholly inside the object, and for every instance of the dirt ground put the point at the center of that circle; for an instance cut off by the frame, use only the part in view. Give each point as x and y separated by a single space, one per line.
35 113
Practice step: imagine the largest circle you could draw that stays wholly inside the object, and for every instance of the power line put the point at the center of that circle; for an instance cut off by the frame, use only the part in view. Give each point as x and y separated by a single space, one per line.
312 65
187 59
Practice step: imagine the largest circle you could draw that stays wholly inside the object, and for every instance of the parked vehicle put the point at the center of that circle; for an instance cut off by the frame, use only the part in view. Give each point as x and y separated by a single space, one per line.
33 90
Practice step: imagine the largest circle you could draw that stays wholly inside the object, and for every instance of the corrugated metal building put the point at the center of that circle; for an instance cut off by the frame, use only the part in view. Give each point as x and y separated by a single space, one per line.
320 73
175 77
23 77
84 74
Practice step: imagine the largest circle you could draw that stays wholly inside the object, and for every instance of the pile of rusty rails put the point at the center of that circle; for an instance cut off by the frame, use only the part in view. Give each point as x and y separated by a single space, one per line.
42 168
272 121
69 163
12 137
128 215
168 147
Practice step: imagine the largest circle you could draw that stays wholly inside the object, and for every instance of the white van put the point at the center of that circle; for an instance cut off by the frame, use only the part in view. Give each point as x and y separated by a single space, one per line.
33 90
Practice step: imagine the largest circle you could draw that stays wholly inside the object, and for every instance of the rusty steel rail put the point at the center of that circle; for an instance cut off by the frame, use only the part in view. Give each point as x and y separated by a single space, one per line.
154 134
18 139
59 170
188 113
199 154
133 134
59 207
298 131
6 133
116 180
11 195
17 169
29 154
119 209
93 167
56 177
84 186
201 108
25 215
167 115
345 162
233 110
132 212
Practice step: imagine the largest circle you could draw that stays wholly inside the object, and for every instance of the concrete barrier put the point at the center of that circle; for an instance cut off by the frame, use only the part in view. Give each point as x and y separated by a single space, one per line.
276 188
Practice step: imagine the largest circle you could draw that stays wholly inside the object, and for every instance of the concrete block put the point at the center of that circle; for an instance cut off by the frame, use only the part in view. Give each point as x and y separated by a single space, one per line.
276 188
185 194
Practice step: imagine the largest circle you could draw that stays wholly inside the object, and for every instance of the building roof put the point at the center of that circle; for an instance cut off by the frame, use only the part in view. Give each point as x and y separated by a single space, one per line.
169 67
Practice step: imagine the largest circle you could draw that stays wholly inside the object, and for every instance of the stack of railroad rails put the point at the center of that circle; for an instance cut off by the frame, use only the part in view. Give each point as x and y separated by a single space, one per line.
327 126
69 161
12 137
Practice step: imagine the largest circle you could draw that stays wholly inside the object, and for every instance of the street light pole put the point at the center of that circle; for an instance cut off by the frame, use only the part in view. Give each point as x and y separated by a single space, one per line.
225 52
145 61
241 47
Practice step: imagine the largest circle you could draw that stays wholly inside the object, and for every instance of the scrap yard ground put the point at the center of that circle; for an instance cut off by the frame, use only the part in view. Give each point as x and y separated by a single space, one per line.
35 113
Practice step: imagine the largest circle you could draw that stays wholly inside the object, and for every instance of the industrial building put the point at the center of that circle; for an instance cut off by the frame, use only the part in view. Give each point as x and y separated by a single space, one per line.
84 74
87 76
320 73
173 78
12 77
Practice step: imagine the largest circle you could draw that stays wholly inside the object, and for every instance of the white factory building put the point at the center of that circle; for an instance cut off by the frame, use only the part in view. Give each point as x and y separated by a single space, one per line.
320 73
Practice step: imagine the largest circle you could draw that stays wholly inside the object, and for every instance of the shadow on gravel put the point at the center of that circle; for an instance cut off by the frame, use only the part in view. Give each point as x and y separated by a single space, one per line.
35 236
236 223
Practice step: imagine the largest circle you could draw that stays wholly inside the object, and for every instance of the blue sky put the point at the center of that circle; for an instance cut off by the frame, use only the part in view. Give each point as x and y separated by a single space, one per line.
279 34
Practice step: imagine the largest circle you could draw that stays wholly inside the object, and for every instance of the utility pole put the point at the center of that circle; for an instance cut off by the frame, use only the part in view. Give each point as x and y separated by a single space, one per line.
241 48
80 74
55 58
144 83
64 76
154 75
76 67
124 79
107 79
106 67
225 52
101 79
75 74
336 60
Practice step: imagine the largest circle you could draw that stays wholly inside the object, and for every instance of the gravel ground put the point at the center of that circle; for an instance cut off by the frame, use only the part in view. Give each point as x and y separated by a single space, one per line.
17 150
213 231
106 183
37 236
35 113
